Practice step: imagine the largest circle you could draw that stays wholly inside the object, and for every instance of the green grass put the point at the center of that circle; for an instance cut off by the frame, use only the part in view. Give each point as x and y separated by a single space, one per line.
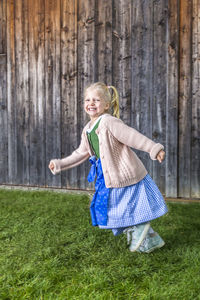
49 250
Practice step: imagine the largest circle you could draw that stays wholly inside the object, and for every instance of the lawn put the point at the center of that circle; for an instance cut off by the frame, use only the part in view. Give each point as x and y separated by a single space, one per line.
49 250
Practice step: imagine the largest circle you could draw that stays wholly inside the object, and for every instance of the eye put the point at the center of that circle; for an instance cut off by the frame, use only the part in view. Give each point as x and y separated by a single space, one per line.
87 100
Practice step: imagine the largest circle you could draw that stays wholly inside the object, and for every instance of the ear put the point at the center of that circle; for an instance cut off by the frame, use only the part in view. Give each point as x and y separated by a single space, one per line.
107 105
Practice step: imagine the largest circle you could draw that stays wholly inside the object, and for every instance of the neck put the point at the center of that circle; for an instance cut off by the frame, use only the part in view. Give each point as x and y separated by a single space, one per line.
93 119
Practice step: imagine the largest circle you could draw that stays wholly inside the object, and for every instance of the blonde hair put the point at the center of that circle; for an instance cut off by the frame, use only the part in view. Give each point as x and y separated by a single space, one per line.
112 97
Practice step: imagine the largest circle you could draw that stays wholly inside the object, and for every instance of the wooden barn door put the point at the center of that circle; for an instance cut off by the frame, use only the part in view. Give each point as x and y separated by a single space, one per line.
51 50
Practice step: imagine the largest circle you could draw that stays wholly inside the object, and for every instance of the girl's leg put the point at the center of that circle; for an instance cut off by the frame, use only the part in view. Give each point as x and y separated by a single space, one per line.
117 231
151 242
136 235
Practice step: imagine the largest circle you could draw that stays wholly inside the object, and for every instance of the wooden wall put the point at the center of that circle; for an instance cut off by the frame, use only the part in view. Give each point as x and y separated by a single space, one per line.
50 50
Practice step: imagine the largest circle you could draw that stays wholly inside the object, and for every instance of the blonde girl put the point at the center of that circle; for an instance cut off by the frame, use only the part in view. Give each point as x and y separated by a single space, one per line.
126 198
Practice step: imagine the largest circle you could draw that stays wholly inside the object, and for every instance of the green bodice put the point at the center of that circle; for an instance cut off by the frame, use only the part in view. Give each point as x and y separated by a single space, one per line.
94 140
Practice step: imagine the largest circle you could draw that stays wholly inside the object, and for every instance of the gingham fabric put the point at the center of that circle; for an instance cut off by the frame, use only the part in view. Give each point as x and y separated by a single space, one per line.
127 206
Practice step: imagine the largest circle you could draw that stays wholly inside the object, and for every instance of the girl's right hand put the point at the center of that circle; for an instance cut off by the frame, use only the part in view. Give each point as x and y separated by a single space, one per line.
51 166
161 156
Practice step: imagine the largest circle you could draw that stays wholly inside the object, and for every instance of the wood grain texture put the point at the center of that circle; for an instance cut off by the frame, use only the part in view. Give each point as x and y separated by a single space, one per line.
37 92
122 56
3 122
22 91
171 180
3 26
52 86
3 97
103 41
11 94
185 98
160 14
195 120
142 70
69 87
51 50
86 69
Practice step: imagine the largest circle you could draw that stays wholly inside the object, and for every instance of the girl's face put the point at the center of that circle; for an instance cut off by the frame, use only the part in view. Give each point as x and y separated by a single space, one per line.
94 105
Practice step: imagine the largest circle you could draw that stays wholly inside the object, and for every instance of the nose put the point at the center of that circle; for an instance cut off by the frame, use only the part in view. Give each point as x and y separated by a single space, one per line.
91 102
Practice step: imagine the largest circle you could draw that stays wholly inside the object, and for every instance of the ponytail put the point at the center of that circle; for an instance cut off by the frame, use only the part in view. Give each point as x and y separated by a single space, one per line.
115 101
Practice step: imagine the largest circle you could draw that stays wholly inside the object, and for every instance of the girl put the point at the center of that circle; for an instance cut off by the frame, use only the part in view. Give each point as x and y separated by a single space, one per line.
126 198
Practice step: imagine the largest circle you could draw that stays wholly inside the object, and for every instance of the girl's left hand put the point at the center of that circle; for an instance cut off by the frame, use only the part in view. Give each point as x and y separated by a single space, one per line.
160 156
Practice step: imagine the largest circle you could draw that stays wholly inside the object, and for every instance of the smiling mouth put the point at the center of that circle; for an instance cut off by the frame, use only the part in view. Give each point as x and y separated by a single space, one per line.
91 109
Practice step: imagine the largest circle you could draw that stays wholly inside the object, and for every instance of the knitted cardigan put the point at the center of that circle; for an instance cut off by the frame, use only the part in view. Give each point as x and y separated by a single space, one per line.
121 166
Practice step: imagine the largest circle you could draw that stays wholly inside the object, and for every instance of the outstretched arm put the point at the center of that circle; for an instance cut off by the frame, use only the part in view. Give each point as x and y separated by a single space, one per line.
132 138
76 158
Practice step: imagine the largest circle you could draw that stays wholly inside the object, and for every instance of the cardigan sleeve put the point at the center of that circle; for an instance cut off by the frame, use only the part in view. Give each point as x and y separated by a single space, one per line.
132 138
76 158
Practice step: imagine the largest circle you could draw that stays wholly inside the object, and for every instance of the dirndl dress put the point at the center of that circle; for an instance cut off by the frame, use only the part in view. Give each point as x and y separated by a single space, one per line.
119 208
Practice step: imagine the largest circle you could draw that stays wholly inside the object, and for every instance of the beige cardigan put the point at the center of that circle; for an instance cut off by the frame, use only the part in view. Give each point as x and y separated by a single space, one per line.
121 166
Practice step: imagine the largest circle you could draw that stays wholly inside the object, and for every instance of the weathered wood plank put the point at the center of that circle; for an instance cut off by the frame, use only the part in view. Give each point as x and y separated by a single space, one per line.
185 100
22 91
12 149
53 82
37 92
3 27
172 100
3 122
86 67
142 69
69 87
103 44
195 144
3 97
122 56
159 85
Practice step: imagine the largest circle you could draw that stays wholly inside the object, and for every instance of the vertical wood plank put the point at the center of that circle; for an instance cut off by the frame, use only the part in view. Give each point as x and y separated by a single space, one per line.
53 99
3 122
159 85
3 27
22 91
37 92
142 64
69 86
184 158
86 69
12 151
195 144
122 56
3 97
104 41
172 100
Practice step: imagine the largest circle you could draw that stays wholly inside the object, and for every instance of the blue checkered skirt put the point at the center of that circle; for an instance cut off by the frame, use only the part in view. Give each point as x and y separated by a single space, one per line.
118 208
